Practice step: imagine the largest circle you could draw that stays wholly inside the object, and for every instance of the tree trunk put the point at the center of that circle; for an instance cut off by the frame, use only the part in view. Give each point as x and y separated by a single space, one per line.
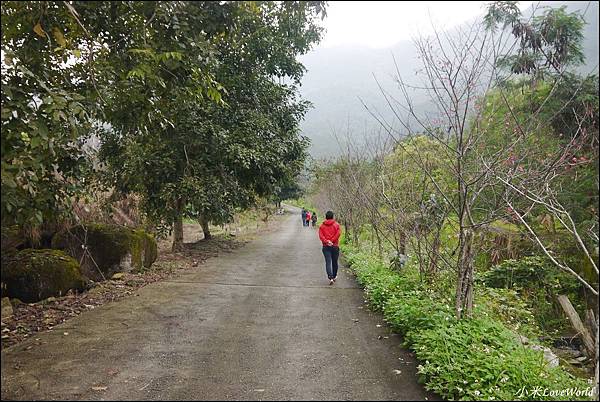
464 287
588 341
596 389
402 245
379 245
205 228
590 323
347 231
355 229
435 253
267 212
420 257
597 361
178 226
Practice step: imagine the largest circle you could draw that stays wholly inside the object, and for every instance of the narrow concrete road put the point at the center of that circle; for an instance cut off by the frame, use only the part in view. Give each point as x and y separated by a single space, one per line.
261 323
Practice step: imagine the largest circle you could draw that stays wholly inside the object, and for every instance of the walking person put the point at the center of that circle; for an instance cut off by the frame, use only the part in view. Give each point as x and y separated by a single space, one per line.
303 217
329 233
313 218
307 218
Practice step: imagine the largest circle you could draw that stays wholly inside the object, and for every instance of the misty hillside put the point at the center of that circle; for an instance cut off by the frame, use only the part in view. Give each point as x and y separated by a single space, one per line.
338 78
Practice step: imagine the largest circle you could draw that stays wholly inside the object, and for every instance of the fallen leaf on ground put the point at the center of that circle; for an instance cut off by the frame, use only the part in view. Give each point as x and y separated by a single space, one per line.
397 372
99 388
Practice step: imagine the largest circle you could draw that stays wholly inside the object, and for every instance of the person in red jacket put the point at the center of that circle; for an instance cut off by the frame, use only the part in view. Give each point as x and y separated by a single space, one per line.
307 218
329 233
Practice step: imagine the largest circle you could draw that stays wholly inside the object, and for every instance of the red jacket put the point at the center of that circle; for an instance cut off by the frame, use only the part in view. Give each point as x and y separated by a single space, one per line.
330 230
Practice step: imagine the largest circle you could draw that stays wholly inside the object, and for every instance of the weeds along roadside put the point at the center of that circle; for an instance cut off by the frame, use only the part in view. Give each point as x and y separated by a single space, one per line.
480 358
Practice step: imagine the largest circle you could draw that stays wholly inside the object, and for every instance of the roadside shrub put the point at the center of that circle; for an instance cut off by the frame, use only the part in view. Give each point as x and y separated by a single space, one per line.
479 359
538 283
379 282
411 312
529 272
470 359
506 306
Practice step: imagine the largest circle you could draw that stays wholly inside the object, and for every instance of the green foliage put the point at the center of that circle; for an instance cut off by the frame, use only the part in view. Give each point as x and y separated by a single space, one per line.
417 182
568 123
478 358
579 124
506 13
529 272
288 190
419 162
379 282
547 43
565 138
221 154
46 116
182 96
538 283
510 308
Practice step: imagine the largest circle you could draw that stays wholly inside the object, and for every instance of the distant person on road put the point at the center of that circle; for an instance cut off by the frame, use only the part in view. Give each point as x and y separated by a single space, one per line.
303 217
329 233
313 218
307 218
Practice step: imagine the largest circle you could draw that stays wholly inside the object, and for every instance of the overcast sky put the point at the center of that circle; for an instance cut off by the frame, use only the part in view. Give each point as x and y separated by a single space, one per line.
379 24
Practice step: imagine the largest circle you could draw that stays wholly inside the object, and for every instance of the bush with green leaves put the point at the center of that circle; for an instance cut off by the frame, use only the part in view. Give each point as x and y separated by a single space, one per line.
538 282
508 307
478 358
529 272
380 283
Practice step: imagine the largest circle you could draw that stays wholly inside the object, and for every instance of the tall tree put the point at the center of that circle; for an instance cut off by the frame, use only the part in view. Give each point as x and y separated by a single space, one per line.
202 158
46 113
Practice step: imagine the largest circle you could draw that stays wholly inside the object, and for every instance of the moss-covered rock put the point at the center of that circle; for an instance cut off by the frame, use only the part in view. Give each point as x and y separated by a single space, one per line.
32 275
12 238
108 249
150 248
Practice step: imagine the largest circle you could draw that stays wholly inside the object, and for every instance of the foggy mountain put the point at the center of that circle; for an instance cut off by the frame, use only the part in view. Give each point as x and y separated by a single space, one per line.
339 77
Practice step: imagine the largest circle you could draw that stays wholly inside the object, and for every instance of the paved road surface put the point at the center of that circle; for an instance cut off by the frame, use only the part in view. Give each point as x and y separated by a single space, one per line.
259 323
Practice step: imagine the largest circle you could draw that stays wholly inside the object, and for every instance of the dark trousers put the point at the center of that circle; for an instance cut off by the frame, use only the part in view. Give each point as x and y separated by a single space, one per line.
331 254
